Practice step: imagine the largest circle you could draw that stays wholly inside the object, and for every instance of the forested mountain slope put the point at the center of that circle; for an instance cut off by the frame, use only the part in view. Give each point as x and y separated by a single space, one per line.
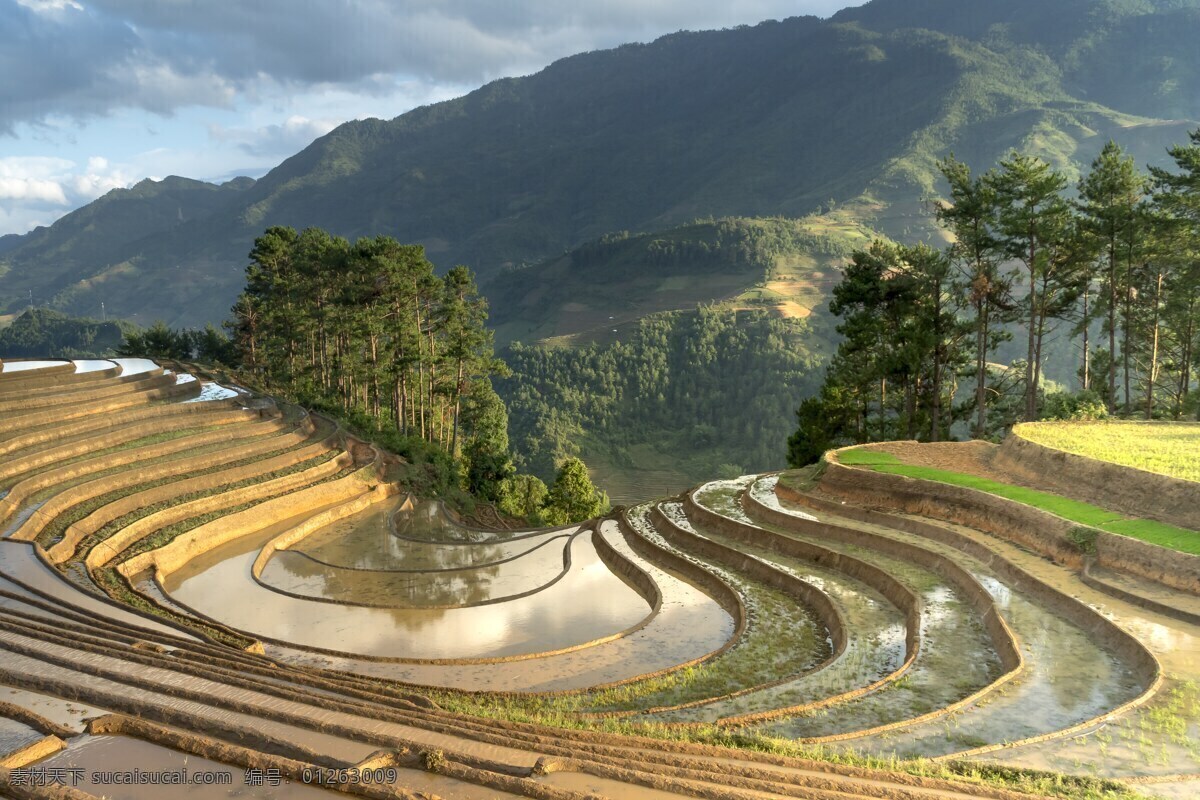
776 119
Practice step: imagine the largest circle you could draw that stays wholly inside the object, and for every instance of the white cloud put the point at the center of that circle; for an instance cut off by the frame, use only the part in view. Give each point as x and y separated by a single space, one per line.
27 189
277 140
31 186
48 6
84 58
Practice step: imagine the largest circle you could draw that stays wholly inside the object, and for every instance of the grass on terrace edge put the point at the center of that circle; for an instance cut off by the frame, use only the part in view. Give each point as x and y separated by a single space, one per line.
1181 539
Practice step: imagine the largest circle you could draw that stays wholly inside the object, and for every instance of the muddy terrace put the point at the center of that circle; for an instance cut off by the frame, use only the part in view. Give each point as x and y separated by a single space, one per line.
193 576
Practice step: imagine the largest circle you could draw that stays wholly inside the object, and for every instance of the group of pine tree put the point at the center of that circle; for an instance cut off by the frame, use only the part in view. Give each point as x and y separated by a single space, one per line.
1116 267
367 332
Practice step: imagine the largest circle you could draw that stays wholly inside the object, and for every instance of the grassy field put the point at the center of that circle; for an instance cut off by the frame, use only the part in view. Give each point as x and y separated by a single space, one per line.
1166 448
1157 533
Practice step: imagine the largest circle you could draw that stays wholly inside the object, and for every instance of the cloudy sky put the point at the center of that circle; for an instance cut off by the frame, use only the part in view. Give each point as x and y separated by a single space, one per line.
99 94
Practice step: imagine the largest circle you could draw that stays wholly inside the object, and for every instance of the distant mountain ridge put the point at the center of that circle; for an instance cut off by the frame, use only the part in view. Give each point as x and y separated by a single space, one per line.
782 118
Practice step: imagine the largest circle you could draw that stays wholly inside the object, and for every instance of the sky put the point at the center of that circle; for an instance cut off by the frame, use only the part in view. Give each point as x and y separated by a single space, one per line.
100 94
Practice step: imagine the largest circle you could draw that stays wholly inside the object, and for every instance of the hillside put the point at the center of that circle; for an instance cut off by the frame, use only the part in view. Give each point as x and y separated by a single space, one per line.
786 266
92 256
41 333
777 119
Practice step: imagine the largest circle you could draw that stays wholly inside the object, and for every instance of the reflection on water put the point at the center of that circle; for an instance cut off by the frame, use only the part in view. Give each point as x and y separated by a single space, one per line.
209 391
20 366
424 540
588 603
91 364
689 625
135 366
413 587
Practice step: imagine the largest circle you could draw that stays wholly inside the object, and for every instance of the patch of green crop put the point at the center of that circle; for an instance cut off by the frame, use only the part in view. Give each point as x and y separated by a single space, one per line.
1158 533
860 457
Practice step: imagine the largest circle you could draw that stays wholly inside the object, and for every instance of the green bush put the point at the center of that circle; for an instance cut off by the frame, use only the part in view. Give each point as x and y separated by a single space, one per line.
1086 405
1084 539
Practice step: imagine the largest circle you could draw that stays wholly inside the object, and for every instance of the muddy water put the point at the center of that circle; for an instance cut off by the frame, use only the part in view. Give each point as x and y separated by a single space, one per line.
17 520
447 788
589 603
1161 738
74 715
18 561
1149 589
297 573
15 735
210 391
67 713
783 639
88 677
605 787
1049 696
427 522
763 490
98 757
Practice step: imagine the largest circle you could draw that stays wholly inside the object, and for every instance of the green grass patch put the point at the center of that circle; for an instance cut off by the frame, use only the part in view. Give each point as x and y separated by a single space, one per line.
1158 533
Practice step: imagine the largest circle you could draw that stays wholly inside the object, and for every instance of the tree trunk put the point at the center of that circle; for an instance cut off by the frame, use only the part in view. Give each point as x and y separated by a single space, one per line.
1152 378
882 406
981 340
1030 374
375 377
1112 327
1087 349
1125 355
457 405
1186 371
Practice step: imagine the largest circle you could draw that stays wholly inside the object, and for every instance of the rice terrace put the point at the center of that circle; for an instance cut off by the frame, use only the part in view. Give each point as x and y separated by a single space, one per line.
196 574
600 401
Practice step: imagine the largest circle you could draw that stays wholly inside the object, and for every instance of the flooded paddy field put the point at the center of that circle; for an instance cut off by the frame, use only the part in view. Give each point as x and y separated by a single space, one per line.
285 594
575 607
1044 697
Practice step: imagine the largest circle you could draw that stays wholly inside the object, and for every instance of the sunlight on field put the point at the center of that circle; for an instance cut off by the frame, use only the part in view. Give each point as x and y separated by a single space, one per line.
1166 448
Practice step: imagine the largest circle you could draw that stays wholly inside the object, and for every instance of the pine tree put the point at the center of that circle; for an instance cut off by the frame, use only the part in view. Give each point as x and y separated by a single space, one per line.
1033 219
1110 196
976 252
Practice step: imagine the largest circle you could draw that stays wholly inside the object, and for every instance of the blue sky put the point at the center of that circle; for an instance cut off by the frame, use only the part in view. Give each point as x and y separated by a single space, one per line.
99 94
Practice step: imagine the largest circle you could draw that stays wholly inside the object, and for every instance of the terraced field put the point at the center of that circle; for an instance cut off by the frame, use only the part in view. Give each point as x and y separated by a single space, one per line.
196 577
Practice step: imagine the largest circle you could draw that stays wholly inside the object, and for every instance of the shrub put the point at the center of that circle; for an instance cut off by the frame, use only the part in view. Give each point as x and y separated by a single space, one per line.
1084 539
433 760
1087 405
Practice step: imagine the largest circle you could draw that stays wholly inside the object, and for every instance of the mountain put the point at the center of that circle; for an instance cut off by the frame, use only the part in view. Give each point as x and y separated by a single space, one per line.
601 288
668 356
39 333
91 256
780 119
